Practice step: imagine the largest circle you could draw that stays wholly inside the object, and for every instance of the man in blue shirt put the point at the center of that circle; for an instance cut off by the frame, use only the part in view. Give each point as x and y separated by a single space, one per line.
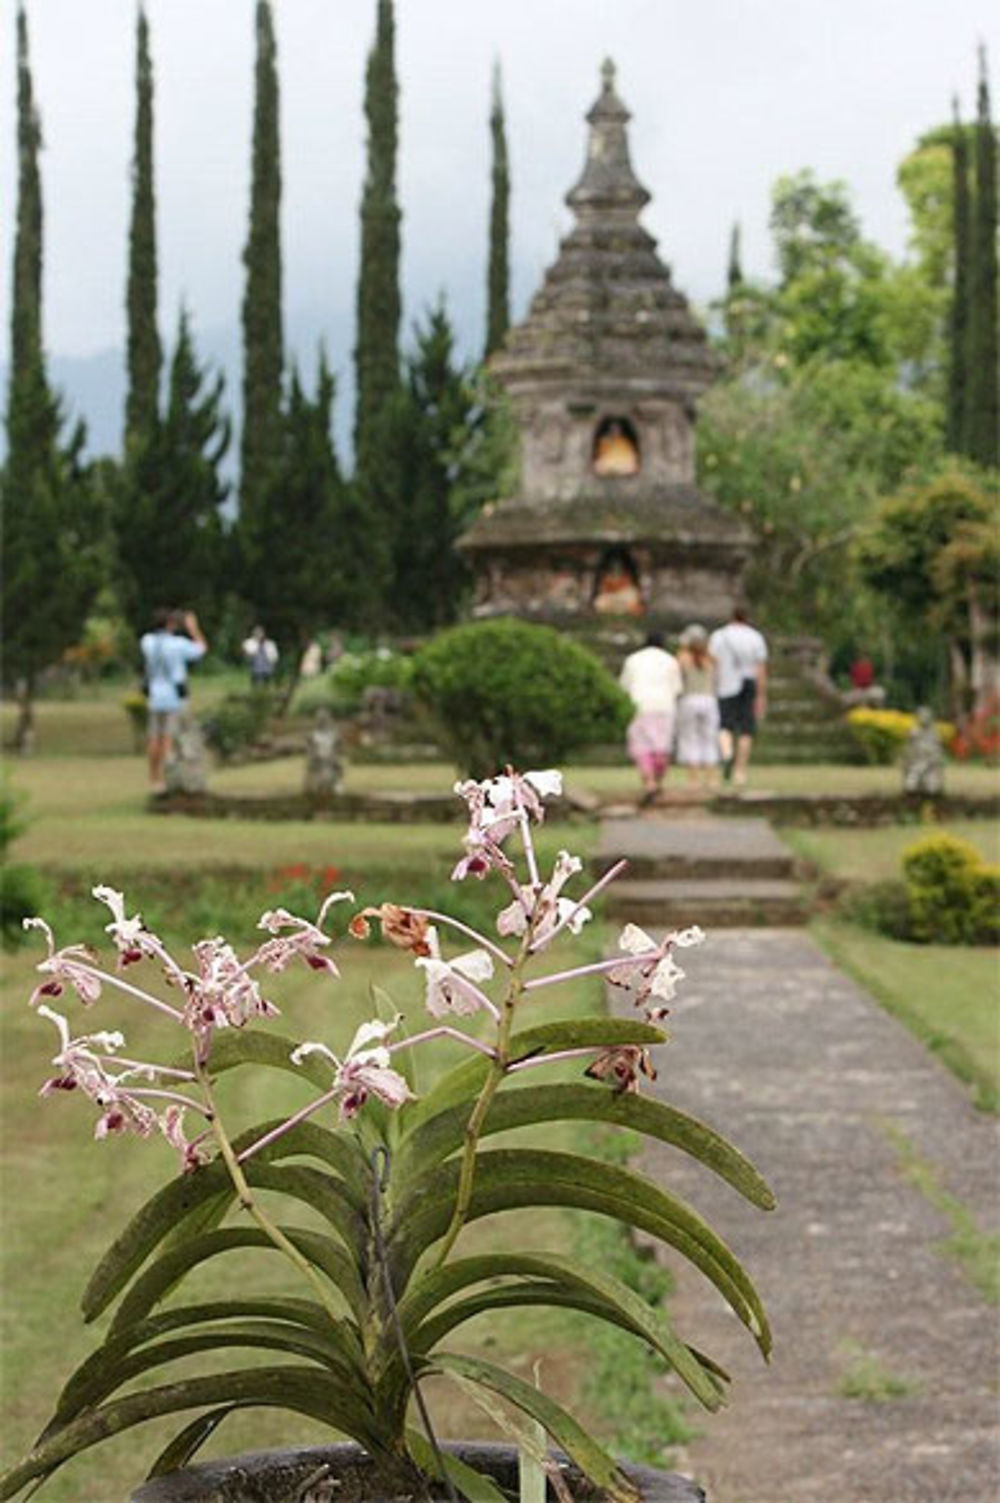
165 655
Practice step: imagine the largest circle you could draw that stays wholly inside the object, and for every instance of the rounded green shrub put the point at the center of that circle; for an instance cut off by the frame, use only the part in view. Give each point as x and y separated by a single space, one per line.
953 893
237 722
505 691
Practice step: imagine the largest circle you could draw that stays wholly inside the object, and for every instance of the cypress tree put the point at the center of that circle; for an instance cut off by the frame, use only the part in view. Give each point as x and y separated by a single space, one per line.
956 417
982 416
170 540
734 272
52 532
263 344
376 354
498 276
145 354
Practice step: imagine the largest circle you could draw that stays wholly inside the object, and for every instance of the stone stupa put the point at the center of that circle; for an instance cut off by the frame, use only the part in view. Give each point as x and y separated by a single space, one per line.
603 377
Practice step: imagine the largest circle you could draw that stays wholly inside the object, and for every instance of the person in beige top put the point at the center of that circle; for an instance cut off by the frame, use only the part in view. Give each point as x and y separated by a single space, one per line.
698 708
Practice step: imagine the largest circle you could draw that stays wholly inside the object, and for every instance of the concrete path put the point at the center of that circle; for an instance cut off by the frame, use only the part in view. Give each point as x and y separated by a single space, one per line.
812 1079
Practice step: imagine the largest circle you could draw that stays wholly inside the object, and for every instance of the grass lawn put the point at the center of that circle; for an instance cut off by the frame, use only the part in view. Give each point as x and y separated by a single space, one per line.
871 855
945 994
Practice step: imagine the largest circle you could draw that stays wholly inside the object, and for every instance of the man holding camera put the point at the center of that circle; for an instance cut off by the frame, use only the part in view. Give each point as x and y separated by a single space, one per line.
175 641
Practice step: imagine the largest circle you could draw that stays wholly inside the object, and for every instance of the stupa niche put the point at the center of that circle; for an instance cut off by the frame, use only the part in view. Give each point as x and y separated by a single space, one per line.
603 378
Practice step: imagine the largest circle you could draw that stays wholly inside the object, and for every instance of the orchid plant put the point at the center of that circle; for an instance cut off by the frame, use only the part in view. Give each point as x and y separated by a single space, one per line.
379 1289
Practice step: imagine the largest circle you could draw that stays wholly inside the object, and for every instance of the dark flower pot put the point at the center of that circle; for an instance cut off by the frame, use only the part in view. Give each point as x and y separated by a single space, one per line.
298 1475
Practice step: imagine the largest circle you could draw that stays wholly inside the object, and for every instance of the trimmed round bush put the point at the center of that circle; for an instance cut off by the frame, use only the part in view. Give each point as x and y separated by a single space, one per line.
506 692
952 892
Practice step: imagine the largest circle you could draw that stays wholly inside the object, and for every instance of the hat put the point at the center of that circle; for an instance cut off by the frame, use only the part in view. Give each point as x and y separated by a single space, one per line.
694 636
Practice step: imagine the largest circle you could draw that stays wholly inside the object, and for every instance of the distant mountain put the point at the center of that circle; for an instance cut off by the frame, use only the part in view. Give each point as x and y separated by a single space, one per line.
92 387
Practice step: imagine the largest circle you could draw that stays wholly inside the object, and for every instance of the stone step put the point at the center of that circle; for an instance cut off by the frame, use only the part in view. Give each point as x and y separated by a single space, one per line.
692 848
714 903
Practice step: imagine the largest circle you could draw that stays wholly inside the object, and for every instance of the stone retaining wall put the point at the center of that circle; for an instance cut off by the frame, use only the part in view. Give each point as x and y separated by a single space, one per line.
857 810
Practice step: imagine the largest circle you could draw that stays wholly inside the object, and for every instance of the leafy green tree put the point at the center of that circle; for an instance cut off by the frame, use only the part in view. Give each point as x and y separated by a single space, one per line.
376 354
982 411
734 271
53 527
145 353
498 277
931 551
263 343
307 569
170 540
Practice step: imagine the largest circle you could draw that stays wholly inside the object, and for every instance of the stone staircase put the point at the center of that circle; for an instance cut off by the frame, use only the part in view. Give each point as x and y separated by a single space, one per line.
805 717
719 873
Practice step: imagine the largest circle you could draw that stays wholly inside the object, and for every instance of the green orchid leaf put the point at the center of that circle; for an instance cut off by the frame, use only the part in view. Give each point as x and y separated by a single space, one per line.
323 1192
296 1313
151 1286
474 1486
191 1201
563 1428
443 1134
565 1282
514 1178
300 1390
185 1446
108 1375
463 1081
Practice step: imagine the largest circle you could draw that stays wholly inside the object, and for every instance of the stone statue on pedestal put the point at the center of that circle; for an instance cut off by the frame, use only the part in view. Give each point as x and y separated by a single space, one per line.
923 757
186 770
324 770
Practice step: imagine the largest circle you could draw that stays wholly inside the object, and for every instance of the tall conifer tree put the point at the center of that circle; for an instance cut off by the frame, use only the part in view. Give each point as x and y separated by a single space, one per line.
52 534
498 277
982 415
145 353
958 352
734 271
263 342
168 523
376 354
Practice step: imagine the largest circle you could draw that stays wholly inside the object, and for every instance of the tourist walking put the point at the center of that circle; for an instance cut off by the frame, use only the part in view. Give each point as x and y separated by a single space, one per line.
262 655
166 653
740 654
652 680
698 708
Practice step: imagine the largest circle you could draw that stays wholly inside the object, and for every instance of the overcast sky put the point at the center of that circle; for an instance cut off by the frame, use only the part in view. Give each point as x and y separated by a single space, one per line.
725 94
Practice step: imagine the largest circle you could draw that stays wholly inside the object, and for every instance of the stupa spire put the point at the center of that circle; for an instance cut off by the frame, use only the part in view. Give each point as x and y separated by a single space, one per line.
608 181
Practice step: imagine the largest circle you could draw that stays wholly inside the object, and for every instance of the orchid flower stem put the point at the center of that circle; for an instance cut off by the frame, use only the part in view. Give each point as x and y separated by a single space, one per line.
594 969
279 1132
529 849
149 1092
470 933
444 1032
246 1198
494 1078
144 1065
550 1059
133 991
609 876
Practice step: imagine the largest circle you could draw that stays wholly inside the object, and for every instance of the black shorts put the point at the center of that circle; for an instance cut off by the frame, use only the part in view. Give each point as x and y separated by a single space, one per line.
736 711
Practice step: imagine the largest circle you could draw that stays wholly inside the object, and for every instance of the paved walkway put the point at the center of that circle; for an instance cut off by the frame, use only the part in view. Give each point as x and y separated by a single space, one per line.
832 1099
777 1049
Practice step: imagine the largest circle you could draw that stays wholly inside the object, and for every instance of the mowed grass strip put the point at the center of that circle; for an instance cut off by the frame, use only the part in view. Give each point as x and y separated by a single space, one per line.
873 855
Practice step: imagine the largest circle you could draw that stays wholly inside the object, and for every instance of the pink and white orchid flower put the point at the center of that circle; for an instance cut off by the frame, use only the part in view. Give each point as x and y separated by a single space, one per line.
71 966
547 909
365 1071
451 984
132 939
305 941
496 806
223 994
653 971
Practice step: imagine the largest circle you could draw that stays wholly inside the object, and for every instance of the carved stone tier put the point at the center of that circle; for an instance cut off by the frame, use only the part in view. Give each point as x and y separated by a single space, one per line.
603 377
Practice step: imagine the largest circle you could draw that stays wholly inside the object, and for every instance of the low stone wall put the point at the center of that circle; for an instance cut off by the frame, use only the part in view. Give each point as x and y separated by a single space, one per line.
380 808
857 810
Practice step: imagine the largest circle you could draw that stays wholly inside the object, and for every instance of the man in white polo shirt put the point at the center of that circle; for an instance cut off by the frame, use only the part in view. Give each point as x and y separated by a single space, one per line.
740 654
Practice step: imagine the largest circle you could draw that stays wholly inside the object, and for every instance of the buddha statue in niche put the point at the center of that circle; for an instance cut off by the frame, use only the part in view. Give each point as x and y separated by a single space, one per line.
616 449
